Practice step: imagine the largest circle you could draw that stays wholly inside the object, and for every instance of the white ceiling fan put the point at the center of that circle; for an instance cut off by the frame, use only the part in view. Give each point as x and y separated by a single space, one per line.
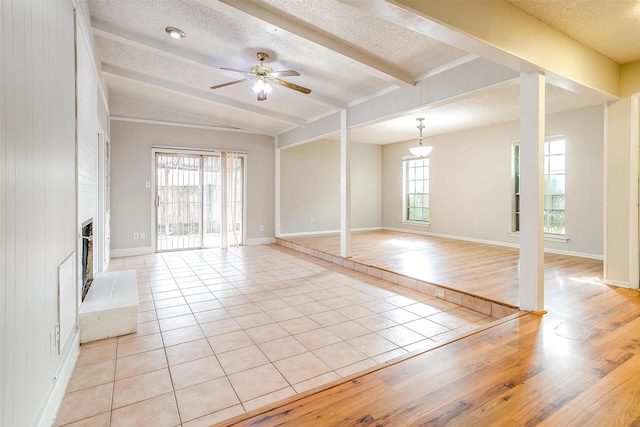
264 75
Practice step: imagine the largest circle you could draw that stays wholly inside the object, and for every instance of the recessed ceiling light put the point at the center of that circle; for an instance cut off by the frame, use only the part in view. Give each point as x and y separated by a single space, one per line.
176 33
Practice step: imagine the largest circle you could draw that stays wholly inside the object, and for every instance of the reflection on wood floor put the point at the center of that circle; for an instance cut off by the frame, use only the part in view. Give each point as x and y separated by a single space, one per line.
577 365
489 271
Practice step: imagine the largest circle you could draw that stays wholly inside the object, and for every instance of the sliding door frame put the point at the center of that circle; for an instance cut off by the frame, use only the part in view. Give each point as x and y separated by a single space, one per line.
201 152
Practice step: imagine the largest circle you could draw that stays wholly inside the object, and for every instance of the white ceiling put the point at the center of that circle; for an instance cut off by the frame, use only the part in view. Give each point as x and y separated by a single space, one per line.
343 53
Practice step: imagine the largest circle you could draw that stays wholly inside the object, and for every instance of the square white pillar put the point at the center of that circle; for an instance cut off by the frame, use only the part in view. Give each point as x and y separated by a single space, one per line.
276 185
345 186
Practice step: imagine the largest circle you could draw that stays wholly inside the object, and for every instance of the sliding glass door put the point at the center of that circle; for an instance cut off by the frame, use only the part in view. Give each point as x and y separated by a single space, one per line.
212 203
235 198
199 200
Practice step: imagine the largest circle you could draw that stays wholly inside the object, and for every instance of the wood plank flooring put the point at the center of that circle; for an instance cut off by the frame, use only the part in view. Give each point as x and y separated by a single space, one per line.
577 365
532 370
488 271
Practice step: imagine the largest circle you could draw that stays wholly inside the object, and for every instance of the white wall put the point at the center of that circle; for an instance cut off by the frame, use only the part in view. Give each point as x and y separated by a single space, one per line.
310 187
366 186
471 181
131 168
37 204
621 225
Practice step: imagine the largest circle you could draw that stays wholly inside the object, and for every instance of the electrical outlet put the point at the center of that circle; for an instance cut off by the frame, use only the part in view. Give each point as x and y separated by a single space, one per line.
147 184
142 235
439 293
261 228
136 236
310 219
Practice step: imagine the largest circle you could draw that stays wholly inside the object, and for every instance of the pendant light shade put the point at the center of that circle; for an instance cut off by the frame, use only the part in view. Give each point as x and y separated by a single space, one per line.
421 150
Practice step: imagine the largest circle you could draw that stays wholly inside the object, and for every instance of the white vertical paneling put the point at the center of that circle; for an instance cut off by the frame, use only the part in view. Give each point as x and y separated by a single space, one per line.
494 73
19 209
440 88
37 199
87 147
67 298
435 88
477 74
459 83
87 132
38 109
3 205
7 228
446 84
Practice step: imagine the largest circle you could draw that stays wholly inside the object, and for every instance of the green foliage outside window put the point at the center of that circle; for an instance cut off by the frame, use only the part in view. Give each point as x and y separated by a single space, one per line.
416 189
554 186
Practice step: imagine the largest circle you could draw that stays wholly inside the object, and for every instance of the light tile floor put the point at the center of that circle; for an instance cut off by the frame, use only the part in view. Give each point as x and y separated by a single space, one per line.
223 332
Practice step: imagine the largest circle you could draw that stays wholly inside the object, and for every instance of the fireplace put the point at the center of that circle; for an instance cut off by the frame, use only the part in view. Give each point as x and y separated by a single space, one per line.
87 256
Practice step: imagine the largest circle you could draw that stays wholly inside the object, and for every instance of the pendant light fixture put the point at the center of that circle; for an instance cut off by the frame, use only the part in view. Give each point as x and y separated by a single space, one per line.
421 150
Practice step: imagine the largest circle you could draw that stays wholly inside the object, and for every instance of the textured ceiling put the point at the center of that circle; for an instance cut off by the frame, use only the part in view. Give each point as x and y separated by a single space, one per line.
611 27
343 54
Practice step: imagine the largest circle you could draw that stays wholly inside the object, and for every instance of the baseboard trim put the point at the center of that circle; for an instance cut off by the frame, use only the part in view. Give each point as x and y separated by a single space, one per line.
617 283
496 243
115 253
261 241
576 254
49 413
311 233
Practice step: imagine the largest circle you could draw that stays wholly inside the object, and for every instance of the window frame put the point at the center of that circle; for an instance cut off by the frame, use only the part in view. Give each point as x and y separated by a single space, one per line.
406 160
515 176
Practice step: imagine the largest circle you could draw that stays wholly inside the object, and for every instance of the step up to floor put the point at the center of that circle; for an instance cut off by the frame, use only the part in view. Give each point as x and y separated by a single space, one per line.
110 308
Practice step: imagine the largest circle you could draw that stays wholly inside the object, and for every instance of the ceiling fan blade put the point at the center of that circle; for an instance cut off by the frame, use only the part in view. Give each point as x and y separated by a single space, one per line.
284 73
235 70
290 85
229 83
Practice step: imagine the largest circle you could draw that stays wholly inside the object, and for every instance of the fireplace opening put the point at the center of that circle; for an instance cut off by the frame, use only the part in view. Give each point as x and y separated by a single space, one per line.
87 257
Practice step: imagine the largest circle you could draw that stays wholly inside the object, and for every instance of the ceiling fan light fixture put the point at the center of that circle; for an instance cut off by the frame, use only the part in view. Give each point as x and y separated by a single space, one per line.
421 150
175 33
262 88
263 75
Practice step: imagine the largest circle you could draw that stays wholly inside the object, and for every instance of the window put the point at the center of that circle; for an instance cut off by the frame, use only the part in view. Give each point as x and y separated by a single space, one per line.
554 186
416 189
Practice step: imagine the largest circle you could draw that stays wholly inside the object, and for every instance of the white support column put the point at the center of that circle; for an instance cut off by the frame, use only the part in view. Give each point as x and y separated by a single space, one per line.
345 186
277 190
224 241
532 126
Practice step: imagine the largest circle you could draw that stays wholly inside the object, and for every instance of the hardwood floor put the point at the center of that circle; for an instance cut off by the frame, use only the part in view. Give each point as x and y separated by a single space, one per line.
577 365
488 271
